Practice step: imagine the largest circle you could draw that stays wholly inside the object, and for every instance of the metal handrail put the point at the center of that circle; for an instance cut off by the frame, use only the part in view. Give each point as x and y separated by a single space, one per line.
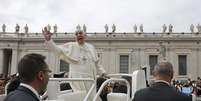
77 80
71 79
123 74
120 74
89 92
109 80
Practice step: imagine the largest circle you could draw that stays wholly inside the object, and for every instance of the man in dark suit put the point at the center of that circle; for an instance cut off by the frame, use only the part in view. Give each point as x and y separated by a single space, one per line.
161 90
33 73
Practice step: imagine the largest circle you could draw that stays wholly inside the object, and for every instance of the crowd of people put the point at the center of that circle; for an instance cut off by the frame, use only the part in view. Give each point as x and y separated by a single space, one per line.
2 85
4 80
188 86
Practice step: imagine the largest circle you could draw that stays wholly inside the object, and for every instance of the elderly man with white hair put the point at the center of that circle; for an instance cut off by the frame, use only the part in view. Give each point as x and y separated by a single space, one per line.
81 56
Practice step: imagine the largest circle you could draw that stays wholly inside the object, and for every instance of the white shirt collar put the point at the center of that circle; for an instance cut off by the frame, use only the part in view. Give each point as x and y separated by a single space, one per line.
30 88
162 81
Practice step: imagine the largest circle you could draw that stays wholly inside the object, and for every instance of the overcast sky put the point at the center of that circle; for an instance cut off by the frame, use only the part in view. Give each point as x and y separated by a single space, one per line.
96 13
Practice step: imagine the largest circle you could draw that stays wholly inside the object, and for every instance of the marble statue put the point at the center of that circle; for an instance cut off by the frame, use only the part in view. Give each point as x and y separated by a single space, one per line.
141 28
192 28
4 28
55 28
17 28
164 28
26 28
135 28
113 28
198 28
48 27
106 28
78 28
170 28
84 28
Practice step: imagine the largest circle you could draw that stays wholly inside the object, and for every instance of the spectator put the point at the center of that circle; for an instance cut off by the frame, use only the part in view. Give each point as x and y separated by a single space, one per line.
33 73
121 87
178 86
161 90
189 82
1 76
106 89
13 84
187 88
174 82
198 87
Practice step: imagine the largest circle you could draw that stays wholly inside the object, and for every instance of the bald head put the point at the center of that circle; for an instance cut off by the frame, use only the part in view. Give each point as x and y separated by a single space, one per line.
163 69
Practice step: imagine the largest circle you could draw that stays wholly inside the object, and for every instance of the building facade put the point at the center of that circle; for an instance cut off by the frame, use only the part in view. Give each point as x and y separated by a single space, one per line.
118 52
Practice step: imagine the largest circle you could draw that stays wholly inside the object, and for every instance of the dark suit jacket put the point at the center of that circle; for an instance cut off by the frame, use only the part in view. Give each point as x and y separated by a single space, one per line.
160 91
14 84
21 94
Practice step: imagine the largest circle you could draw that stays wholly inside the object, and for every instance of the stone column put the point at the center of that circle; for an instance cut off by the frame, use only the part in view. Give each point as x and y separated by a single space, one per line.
14 62
199 63
112 58
143 58
168 53
105 58
192 67
173 58
109 58
133 60
193 63
138 60
1 61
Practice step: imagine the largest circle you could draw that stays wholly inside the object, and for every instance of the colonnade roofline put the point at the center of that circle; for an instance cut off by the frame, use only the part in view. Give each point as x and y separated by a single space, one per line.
104 36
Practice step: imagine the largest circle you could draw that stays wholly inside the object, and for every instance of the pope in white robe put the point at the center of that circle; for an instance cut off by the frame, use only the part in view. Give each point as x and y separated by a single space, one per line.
81 56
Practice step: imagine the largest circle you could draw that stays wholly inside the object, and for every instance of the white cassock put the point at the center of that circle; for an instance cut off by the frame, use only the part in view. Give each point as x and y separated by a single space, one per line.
83 61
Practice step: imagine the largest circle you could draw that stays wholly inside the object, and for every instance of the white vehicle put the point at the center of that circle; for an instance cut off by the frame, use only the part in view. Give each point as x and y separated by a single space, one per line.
138 81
